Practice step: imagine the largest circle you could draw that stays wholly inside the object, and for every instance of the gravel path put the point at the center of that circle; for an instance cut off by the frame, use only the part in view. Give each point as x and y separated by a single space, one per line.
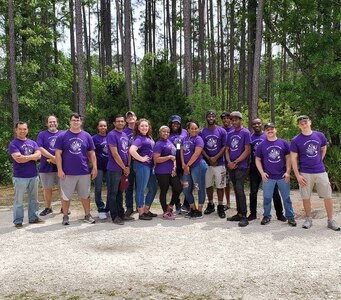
182 259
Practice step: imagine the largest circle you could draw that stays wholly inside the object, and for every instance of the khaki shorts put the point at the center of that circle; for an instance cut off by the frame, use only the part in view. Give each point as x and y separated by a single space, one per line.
216 176
79 183
49 180
320 181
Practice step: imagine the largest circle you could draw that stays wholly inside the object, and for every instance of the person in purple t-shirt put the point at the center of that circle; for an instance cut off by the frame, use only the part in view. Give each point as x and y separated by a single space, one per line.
195 168
101 151
255 178
25 153
142 152
165 171
273 164
129 192
74 148
237 155
48 170
118 143
214 138
307 151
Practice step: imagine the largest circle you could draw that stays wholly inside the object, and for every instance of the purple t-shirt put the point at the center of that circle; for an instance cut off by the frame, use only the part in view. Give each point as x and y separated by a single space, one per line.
189 144
272 154
177 138
47 140
121 142
228 130
129 133
256 139
75 147
308 148
214 140
236 141
145 147
26 147
165 148
101 150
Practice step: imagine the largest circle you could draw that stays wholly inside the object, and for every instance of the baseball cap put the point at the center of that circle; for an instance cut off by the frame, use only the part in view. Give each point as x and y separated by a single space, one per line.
211 112
175 118
225 114
237 114
302 117
269 125
130 113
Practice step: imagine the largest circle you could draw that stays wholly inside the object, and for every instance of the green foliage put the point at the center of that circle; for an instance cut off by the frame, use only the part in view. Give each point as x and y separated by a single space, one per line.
332 162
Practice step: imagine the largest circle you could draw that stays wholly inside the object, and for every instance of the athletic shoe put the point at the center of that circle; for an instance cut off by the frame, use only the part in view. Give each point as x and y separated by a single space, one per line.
19 226
61 211
126 218
265 221
333 226
197 215
145 217
252 217
307 223
129 212
118 221
46 211
221 211
102 215
190 214
235 218
66 220
209 209
89 219
292 222
243 222
226 207
36 221
185 209
178 209
168 216
281 218
150 214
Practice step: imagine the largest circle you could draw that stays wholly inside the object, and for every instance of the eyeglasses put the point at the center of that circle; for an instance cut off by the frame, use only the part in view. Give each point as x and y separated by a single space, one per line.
75 120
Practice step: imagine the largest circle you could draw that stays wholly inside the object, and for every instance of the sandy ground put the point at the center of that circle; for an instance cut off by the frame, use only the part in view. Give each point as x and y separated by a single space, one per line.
208 258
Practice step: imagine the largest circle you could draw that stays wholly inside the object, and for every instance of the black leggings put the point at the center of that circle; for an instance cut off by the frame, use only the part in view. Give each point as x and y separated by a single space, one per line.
166 180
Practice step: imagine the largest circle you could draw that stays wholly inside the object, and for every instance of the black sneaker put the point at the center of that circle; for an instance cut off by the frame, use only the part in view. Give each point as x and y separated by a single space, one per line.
36 221
281 218
243 222
46 211
145 217
118 221
129 212
190 214
128 218
221 211
197 215
209 209
292 222
252 217
226 207
235 218
19 226
265 221
150 214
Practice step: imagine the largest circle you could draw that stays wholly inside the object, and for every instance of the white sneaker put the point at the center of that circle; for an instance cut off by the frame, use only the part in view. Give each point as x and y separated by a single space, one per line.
102 215
307 223
333 226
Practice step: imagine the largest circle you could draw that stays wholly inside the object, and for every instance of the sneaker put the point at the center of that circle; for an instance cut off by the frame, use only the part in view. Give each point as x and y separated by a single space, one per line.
61 211
185 209
19 226
102 215
281 218
129 212
243 222
150 214
252 217
190 214
66 220
126 218
89 219
36 221
333 226
178 209
292 222
226 207
46 211
307 223
197 215
168 216
118 221
235 218
221 211
145 217
265 221
209 209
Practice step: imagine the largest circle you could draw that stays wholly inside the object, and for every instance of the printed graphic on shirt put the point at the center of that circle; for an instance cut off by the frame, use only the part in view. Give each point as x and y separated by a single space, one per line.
76 145
27 149
52 142
235 143
274 154
211 142
312 147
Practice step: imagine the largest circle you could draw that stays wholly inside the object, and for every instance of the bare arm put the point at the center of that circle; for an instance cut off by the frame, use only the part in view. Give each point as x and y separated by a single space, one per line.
288 168
193 159
119 161
22 159
294 163
59 163
133 151
323 151
231 165
48 155
259 166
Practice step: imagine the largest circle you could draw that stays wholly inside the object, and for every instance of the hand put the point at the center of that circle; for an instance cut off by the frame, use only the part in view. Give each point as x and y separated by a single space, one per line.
232 165
61 174
53 160
93 173
265 177
286 177
173 173
212 161
145 158
186 170
126 171
171 157
301 180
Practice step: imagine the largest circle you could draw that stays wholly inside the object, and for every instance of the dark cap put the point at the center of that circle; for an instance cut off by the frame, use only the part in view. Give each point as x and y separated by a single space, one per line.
302 117
130 113
175 118
225 114
269 125
211 112
237 114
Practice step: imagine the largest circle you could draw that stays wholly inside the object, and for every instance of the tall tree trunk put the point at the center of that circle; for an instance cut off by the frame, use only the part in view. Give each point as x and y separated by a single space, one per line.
127 49
174 43
222 60
80 55
12 63
88 56
187 39
134 50
213 77
73 59
242 79
108 54
118 20
201 45
232 39
257 57
55 33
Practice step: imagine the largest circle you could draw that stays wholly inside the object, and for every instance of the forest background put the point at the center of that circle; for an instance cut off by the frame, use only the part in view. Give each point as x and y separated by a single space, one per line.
274 59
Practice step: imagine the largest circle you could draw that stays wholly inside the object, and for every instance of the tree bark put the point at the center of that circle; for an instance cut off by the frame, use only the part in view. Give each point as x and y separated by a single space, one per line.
242 78
127 50
232 39
73 59
201 45
187 41
88 56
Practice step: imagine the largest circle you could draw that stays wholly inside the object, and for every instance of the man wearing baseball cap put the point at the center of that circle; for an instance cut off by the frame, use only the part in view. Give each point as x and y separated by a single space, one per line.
308 150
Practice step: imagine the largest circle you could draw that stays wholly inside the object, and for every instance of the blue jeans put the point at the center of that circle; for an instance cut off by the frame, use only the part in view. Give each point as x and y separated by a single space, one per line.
196 178
145 178
284 189
130 190
22 185
101 207
115 197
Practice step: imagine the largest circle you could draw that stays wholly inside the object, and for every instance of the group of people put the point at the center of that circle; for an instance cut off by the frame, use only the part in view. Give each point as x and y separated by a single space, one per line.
187 161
